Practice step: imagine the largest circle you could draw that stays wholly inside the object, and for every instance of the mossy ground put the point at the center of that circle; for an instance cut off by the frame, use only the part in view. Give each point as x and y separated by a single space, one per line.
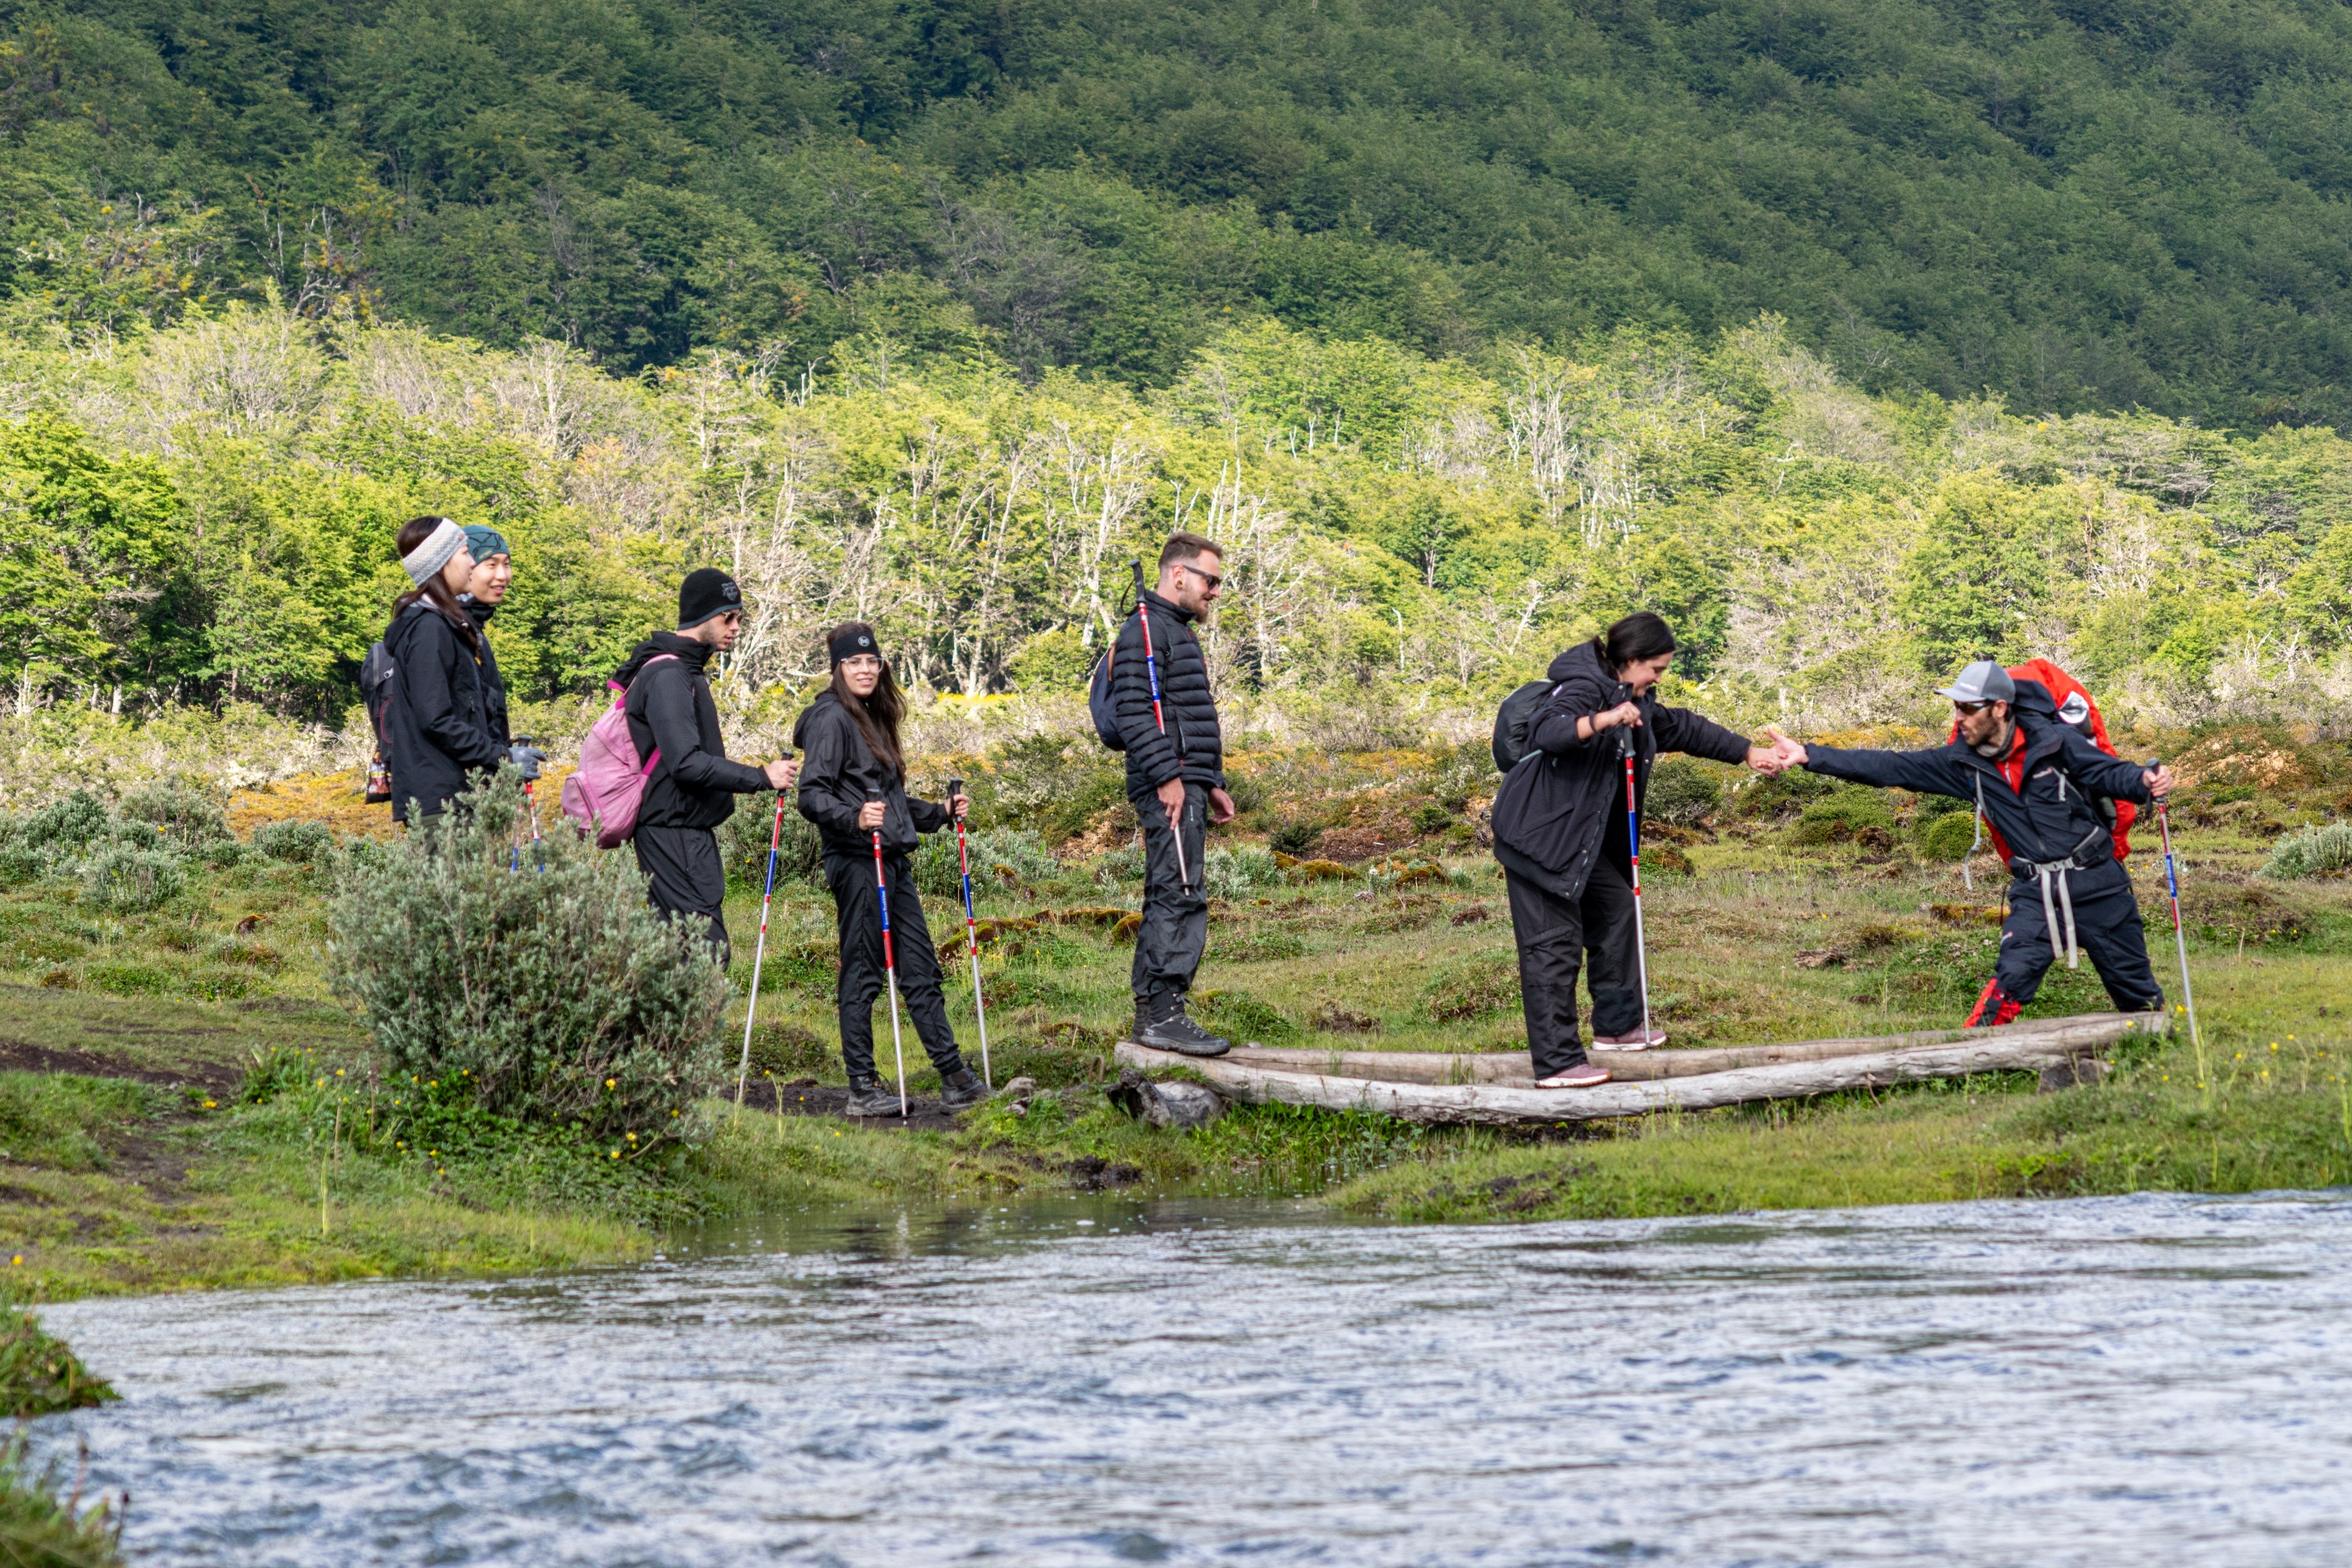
134 1157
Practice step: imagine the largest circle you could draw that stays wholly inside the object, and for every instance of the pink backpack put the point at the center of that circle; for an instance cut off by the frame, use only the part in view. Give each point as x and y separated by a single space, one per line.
602 794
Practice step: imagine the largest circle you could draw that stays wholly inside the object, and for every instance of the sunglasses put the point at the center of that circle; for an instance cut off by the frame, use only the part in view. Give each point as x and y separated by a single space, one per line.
1971 708
1213 579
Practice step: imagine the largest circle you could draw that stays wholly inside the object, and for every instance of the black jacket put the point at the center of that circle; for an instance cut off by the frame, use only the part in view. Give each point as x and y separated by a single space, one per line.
1194 747
2055 813
669 706
839 773
1556 808
436 730
494 688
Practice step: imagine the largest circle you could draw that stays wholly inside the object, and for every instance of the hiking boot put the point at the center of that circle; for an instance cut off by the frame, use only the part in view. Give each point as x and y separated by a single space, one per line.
871 1097
1168 1029
959 1089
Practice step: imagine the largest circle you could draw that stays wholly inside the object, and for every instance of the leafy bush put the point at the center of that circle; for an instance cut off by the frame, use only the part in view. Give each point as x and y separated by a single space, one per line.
1295 836
1783 795
65 827
1948 837
1013 849
187 818
301 842
40 1376
557 996
42 1530
744 837
1841 815
1237 873
2313 852
19 863
1682 793
125 880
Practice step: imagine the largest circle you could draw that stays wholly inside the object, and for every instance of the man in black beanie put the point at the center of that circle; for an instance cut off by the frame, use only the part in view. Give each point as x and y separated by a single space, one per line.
693 787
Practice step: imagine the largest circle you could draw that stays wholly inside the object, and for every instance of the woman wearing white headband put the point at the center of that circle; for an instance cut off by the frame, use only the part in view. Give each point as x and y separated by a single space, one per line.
436 729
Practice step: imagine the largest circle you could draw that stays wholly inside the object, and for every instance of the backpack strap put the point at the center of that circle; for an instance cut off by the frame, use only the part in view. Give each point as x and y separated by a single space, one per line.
622 701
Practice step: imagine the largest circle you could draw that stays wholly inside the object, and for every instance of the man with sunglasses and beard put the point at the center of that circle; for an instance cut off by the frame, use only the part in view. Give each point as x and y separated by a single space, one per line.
1176 782
2039 782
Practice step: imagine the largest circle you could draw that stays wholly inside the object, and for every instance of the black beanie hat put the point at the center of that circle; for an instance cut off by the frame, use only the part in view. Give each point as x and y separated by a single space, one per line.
707 592
854 640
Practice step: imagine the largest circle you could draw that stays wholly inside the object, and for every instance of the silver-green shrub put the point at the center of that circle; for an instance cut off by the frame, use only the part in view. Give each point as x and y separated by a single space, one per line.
557 994
125 878
1237 873
998 849
1682 793
304 843
187 818
2313 852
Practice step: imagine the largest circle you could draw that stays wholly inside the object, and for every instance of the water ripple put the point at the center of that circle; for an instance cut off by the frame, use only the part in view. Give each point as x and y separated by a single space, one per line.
2147 1379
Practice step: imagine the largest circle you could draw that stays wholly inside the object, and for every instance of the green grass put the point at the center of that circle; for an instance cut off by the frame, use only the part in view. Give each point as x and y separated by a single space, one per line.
281 1159
39 1528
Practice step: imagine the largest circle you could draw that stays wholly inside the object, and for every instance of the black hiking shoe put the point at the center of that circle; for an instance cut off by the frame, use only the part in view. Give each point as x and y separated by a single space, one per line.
960 1089
1169 1029
871 1097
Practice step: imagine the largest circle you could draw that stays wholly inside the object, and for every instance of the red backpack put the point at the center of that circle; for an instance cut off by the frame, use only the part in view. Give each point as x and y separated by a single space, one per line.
2075 707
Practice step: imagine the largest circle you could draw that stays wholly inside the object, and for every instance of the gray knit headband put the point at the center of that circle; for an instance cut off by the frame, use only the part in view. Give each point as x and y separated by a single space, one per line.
427 559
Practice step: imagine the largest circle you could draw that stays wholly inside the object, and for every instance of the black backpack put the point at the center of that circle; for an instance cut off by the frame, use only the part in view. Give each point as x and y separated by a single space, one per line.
1514 718
1099 706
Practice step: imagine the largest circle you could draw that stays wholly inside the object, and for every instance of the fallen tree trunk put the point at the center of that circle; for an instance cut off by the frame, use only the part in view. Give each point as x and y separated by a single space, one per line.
1497 1104
1512 1068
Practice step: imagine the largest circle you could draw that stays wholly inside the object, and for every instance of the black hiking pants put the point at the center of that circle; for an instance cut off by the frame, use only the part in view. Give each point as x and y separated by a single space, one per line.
1175 930
1555 934
862 978
688 880
2107 924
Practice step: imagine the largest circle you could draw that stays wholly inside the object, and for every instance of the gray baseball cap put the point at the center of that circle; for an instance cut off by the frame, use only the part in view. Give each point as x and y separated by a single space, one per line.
1983 682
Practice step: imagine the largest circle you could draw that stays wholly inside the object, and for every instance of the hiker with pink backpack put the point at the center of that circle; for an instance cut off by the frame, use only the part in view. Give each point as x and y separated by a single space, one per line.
655 771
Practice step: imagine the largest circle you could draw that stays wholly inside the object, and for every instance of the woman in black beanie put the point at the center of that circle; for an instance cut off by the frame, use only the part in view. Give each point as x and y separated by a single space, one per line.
853 783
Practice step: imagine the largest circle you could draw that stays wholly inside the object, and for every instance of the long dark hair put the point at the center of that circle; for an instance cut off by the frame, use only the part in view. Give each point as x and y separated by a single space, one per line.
1637 637
878 716
433 590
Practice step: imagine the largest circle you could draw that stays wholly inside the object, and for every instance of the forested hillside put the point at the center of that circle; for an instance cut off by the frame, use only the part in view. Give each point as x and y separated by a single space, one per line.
1859 337
2072 203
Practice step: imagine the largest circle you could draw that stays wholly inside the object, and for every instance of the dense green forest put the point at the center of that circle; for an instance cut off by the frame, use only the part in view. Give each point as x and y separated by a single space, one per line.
1857 337
2072 203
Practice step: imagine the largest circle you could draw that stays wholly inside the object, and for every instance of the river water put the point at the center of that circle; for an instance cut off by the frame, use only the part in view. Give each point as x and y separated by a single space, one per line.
2147 1379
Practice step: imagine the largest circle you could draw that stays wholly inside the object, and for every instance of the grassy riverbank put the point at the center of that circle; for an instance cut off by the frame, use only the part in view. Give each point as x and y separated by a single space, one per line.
179 1094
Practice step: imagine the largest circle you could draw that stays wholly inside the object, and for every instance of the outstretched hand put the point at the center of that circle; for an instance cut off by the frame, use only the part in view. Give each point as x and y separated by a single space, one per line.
1765 760
1785 753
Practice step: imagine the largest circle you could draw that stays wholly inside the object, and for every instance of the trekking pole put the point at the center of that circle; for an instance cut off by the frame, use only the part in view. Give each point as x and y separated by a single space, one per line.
1152 670
890 964
751 1007
1634 845
971 935
2180 941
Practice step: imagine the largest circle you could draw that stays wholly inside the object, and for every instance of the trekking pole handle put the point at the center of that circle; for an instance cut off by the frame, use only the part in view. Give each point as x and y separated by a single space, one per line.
955 788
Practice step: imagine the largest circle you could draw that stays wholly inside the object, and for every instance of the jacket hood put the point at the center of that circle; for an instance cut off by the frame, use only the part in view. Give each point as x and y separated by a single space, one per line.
479 611
1581 659
825 699
693 653
2033 701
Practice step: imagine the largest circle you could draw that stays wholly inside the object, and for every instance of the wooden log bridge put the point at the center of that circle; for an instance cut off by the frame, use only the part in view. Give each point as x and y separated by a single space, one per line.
1495 1088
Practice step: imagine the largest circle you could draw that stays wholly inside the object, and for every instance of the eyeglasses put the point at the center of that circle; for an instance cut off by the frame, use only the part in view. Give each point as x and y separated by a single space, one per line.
1213 579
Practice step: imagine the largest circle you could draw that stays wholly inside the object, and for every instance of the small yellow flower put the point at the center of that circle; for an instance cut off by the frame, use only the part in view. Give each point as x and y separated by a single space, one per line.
212 1105
617 1153
612 1083
16 1260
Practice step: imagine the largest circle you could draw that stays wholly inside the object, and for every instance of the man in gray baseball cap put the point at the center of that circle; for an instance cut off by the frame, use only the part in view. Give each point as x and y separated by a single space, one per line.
2038 781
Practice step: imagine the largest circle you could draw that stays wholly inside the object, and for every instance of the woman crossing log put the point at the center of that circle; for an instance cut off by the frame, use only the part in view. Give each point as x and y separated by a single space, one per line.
1567 852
